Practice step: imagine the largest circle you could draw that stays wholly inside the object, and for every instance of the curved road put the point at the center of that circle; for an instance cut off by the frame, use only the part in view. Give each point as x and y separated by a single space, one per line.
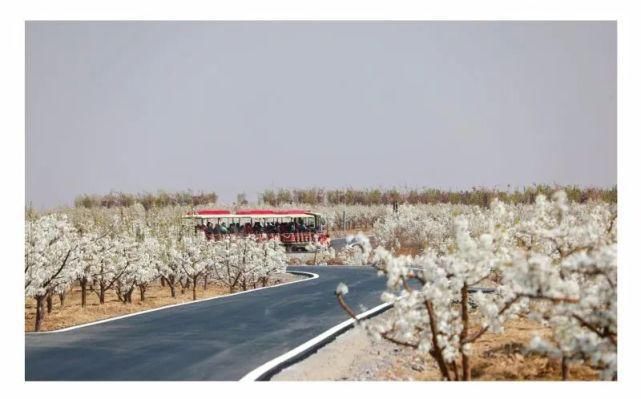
220 339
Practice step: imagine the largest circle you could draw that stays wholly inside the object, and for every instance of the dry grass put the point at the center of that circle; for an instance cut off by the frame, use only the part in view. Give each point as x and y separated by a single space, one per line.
496 357
72 313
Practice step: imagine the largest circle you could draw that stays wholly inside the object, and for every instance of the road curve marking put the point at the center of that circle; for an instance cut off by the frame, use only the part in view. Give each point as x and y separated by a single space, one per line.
311 276
273 366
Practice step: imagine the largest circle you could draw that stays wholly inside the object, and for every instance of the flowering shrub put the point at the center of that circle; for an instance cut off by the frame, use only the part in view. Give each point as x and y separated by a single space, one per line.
554 262
246 262
323 253
357 250
51 259
126 249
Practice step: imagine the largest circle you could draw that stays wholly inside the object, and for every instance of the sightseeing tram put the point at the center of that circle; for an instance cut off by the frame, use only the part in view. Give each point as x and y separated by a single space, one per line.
296 229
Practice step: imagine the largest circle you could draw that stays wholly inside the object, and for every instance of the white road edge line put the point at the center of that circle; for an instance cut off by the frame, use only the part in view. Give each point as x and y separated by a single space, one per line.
311 275
314 343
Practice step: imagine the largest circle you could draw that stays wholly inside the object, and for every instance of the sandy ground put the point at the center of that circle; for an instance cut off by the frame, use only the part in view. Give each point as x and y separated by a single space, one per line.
354 356
156 296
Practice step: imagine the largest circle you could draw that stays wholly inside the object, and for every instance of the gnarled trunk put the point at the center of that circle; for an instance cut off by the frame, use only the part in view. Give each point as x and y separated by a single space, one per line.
142 289
565 368
62 300
465 360
193 288
83 292
49 303
40 312
101 296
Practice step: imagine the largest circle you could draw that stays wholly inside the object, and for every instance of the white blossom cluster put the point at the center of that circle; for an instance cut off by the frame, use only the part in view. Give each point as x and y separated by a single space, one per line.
352 216
357 250
323 252
552 261
51 255
125 249
246 262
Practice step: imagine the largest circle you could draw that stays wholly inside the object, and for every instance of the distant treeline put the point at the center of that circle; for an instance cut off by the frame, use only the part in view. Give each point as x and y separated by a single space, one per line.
350 196
475 196
147 200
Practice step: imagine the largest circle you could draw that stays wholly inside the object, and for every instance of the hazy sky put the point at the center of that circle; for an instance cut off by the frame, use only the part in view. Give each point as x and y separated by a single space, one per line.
245 106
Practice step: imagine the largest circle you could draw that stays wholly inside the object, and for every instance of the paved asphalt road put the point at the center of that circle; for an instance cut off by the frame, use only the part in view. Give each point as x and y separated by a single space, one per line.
338 243
221 339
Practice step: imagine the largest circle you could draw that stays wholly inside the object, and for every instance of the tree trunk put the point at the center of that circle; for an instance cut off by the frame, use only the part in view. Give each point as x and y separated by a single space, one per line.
102 294
142 292
40 311
62 300
49 303
173 290
454 368
205 283
162 281
193 289
565 368
436 351
83 292
467 370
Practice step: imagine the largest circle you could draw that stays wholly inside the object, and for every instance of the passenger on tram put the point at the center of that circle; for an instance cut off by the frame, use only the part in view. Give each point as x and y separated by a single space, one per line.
271 227
209 229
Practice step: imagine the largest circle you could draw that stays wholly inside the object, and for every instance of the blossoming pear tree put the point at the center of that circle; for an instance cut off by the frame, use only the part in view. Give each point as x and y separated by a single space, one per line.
51 259
554 262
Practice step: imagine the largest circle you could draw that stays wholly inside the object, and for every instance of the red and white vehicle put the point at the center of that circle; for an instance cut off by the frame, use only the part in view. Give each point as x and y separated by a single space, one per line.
296 229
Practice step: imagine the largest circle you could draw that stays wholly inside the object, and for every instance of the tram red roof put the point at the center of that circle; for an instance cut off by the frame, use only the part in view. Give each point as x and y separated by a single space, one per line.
290 211
257 213
254 212
204 212
270 211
